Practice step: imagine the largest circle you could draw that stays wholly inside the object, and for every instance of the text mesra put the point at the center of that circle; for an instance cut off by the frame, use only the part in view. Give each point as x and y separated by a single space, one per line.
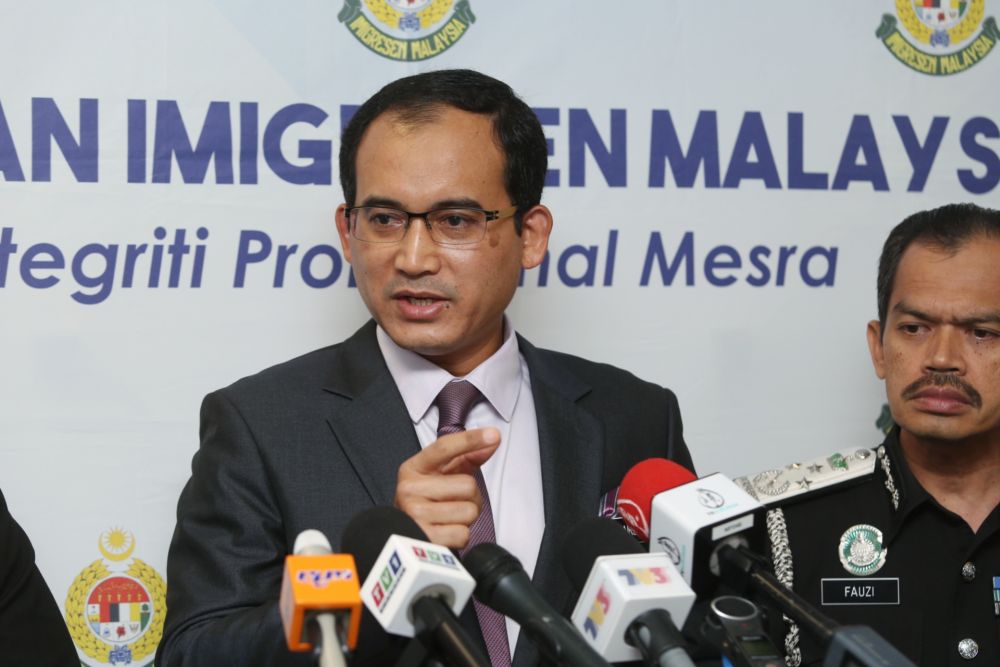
685 262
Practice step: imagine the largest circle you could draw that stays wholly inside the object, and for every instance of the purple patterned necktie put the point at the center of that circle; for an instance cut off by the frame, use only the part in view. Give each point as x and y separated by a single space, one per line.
454 403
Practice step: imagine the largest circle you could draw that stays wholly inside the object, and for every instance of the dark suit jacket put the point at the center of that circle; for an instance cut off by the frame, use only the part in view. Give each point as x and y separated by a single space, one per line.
311 442
32 630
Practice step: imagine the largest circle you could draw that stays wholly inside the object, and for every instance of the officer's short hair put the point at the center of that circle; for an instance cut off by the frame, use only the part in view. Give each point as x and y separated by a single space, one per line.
946 228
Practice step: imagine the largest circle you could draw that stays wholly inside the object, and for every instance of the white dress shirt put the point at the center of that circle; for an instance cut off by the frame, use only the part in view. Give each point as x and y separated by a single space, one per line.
513 474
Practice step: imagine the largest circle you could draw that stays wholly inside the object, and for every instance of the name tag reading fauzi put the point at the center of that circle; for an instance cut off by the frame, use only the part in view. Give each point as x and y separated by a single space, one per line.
859 590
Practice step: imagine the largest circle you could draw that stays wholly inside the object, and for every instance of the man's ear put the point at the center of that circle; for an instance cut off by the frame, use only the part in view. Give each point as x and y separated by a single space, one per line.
536 225
343 231
876 348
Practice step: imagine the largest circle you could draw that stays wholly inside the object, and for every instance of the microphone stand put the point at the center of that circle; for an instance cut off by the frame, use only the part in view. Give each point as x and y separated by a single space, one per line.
437 627
846 646
327 648
417 654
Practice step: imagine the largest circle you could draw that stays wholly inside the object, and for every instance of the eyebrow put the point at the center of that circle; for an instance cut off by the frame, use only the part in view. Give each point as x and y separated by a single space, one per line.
984 317
459 202
375 200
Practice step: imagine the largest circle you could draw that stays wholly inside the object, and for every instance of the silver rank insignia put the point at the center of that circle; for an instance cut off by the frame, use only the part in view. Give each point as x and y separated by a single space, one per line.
779 485
861 550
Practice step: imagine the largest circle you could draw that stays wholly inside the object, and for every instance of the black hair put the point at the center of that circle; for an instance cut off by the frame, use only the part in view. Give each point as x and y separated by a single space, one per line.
946 228
419 98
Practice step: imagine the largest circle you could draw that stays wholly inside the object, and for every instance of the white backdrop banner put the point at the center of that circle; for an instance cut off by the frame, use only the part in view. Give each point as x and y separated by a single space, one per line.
722 177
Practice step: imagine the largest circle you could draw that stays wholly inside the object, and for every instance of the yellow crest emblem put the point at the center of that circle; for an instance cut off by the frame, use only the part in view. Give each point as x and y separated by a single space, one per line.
116 605
939 37
407 30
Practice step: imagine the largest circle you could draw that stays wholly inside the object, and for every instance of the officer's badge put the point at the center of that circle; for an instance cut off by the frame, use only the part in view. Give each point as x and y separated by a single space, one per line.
861 550
115 606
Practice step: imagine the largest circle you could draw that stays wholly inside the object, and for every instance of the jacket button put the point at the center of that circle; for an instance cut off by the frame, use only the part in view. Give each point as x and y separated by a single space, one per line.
969 571
968 648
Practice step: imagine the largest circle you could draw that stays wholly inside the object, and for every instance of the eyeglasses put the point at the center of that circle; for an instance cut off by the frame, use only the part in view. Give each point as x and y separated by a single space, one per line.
447 226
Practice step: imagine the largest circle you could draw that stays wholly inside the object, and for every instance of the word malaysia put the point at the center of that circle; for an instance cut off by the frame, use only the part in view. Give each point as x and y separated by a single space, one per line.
236 142
177 259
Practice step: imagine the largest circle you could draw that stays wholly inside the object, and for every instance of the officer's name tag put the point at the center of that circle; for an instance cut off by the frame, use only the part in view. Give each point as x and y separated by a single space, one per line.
860 590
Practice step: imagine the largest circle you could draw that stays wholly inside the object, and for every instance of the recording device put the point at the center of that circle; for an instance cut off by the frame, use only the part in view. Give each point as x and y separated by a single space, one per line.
846 646
502 584
631 601
691 521
736 627
320 603
412 587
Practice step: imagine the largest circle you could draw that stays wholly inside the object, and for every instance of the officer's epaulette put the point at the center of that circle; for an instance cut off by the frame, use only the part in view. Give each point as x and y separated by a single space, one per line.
797 480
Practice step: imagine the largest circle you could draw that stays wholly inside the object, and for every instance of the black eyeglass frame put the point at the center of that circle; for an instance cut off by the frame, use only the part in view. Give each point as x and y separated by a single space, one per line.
491 216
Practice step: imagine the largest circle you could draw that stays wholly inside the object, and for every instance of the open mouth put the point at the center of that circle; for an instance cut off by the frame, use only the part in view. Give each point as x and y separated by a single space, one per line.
420 301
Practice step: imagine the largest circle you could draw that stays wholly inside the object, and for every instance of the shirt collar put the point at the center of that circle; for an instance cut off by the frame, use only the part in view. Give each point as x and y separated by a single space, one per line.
911 494
419 381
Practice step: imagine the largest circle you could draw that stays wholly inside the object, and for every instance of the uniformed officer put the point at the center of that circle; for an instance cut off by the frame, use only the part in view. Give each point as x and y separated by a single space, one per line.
905 538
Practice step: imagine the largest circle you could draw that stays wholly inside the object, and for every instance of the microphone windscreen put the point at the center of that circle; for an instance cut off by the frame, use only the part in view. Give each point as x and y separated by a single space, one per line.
311 542
488 563
367 532
645 480
589 540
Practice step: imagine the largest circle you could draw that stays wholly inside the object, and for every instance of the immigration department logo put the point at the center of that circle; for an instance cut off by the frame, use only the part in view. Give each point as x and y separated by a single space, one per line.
861 550
115 606
939 37
407 30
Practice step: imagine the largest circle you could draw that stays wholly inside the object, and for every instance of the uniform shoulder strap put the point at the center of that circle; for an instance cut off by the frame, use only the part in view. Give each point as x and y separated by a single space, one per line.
797 480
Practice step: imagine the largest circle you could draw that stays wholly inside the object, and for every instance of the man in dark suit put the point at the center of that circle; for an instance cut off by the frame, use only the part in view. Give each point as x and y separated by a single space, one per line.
442 174
32 631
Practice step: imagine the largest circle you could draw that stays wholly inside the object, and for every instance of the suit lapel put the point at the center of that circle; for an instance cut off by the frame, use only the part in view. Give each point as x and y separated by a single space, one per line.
571 445
371 425
373 428
370 421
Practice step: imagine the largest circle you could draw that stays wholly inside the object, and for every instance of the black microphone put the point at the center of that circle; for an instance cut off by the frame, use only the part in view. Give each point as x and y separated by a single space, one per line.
411 587
502 584
846 646
699 521
629 598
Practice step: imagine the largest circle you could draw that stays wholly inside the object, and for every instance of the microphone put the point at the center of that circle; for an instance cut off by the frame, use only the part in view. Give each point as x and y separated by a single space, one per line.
846 646
690 520
629 597
412 587
503 584
713 530
641 483
320 603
